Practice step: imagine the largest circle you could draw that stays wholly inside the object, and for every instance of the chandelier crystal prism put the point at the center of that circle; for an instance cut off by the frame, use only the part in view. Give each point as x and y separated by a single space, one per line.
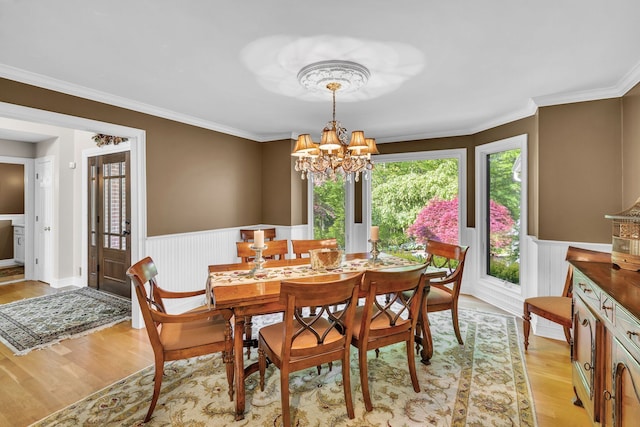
334 156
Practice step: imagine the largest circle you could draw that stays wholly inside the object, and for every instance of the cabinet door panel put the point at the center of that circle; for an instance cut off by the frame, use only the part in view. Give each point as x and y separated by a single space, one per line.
626 387
585 327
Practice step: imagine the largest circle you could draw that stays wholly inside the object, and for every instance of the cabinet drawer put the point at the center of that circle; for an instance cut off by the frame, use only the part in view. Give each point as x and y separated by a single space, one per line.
587 289
629 327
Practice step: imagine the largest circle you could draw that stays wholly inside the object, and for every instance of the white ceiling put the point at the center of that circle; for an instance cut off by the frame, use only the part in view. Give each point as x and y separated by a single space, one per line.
438 68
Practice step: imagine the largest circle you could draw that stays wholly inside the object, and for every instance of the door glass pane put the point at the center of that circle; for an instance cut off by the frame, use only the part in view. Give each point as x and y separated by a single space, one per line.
503 215
413 201
328 211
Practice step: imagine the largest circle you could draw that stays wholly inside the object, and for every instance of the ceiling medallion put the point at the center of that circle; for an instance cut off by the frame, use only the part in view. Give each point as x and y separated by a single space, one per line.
334 157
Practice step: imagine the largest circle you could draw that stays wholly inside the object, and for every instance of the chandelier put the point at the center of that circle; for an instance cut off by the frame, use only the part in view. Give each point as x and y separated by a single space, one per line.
335 155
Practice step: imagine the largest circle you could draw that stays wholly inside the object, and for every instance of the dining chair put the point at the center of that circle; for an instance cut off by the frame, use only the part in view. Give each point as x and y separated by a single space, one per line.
179 336
276 249
302 342
559 308
389 315
246 235
443 293
301 247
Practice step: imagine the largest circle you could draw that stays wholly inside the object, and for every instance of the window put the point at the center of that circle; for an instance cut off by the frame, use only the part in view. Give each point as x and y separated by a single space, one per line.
501 200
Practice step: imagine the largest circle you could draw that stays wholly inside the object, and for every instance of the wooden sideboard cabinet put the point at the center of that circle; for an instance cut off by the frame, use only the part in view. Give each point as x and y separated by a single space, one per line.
605 354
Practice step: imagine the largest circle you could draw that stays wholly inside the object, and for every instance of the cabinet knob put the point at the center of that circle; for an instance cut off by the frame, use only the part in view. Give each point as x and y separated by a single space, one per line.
605 308
607 395
587 366
632 334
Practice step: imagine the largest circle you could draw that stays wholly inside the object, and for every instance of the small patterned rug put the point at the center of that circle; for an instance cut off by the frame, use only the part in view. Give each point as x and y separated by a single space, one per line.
482 383
39 322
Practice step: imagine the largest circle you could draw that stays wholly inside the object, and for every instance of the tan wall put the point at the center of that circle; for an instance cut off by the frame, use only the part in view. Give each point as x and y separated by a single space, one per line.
631 147
17 149
527 126
6 240
276 182
197 179
580 174
11 188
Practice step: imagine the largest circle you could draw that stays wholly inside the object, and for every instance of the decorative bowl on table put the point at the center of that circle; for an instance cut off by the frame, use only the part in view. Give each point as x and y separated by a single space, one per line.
325 258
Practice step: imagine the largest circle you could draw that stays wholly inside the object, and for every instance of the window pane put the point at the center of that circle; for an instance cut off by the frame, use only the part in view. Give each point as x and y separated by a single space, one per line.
413 201
328 211
503 228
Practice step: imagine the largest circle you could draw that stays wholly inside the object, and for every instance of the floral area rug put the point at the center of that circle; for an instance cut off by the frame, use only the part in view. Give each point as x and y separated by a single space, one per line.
39 322
482 383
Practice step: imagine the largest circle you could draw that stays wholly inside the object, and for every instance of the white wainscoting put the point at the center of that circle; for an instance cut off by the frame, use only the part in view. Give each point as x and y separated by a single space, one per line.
183 259
551 275
543 274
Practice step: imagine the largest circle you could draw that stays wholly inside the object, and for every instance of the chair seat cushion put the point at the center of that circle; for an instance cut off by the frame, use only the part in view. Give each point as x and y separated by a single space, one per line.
273 336
192 334
438 296
558 306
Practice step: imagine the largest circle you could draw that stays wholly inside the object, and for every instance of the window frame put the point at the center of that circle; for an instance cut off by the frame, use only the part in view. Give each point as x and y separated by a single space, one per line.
484 280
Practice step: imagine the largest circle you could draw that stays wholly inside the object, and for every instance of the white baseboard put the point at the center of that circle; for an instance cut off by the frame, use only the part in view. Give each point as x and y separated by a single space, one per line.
67 281
7 262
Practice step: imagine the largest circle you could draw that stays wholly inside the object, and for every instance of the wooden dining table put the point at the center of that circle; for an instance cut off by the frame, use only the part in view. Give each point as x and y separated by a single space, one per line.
248 295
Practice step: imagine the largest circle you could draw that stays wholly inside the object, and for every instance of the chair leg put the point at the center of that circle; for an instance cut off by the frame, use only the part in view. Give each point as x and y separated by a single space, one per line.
454 318
157 383
284 395
262 366
412 366
346 384
228 361
248 333
364 378
526 325
567 334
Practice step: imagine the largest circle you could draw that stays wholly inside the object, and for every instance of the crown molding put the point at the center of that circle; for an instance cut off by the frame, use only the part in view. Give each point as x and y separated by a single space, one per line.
50 83
626 83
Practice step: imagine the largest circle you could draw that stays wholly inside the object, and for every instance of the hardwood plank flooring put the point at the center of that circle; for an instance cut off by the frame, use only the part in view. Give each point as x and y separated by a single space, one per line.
43 381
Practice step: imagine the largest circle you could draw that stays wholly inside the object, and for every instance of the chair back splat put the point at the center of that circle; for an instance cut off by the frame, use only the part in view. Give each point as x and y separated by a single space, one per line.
179 336
246 235
301 342
276 249
302 247
389 315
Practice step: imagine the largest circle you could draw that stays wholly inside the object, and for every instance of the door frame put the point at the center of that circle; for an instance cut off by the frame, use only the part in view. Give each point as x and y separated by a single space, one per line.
137 145
43 270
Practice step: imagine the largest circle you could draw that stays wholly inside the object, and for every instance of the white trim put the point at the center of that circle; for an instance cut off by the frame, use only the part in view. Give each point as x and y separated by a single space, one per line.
137 142
96 95
531 105
511 295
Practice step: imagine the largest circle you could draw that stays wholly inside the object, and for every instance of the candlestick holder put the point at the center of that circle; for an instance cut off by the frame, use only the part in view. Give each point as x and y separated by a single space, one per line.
258 260
374 250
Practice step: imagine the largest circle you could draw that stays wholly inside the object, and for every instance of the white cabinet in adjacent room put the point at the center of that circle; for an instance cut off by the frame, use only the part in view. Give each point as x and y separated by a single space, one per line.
18 244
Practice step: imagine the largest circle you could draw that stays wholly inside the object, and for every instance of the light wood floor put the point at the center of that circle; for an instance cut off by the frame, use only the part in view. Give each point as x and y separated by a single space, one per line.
39 383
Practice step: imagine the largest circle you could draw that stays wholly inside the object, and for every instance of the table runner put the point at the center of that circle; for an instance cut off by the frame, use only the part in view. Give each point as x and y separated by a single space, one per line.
236 277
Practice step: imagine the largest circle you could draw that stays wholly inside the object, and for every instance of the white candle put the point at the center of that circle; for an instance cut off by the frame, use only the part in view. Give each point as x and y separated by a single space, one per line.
375 232
258 238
